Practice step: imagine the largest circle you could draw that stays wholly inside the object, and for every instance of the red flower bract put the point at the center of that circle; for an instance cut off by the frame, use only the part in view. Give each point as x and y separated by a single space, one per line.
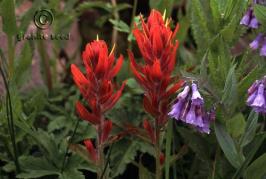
98 89
97 86
158 48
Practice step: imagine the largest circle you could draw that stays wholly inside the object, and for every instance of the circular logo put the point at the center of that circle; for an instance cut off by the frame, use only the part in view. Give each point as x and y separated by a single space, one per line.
43 18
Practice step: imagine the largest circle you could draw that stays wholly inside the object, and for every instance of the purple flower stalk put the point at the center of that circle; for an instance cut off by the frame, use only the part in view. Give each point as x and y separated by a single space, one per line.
257 96
189 109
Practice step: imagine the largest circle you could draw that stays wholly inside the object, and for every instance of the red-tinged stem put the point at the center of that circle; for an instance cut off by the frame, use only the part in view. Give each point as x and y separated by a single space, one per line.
101 161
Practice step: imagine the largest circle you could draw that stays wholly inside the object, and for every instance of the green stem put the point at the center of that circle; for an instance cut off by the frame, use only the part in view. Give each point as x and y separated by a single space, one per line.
9 114
11 56
65 156
132 20
116 16
157 150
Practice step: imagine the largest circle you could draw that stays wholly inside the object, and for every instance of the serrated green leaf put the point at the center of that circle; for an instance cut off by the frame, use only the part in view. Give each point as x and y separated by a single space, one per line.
227 144
36 167
123 153
199 25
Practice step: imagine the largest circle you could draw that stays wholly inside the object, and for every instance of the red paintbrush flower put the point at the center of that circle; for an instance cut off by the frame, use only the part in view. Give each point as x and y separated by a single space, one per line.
97 86
158 48
98 89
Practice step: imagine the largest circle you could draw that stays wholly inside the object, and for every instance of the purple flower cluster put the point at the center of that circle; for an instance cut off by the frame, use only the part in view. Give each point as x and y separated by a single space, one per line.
259 42
257 96
189 109
249 19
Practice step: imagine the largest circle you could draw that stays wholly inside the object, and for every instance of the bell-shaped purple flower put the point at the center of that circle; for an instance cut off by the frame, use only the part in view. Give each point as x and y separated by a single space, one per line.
184 93
176 109
196 97
191 115
254 23
259 101
263 48
253 87
189 109
256 42
257 96
246 18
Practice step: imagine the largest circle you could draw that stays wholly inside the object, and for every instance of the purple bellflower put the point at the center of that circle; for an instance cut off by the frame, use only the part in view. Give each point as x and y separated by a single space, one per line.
189 109
257 96
256 42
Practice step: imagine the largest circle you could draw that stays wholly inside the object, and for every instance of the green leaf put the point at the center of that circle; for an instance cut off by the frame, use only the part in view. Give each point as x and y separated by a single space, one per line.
227 145
36 167
144 173
120 25
163 5
197 143
230 88
96 4
71 174
236 125
199 25
259 139
8 16
257 169
23 66
250 130
215 12
260 13
123 153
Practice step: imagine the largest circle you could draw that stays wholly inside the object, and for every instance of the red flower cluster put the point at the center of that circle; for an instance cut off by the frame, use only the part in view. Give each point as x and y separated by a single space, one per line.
155 41
98 89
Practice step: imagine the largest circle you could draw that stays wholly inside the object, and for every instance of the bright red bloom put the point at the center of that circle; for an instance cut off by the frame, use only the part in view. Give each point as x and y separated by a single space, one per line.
156 43
97 86
98 89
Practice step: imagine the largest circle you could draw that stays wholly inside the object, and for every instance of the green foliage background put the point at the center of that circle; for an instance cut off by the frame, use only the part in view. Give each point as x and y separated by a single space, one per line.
48 135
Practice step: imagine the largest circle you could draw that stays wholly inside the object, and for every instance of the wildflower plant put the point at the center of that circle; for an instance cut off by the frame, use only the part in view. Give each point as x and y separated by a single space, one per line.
97 88
194 105
156 43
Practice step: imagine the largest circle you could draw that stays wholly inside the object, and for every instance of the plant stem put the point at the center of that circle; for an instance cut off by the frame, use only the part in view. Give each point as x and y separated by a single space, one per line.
11 54
10 121
157 150
70 139
101 162
132 20
116 16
